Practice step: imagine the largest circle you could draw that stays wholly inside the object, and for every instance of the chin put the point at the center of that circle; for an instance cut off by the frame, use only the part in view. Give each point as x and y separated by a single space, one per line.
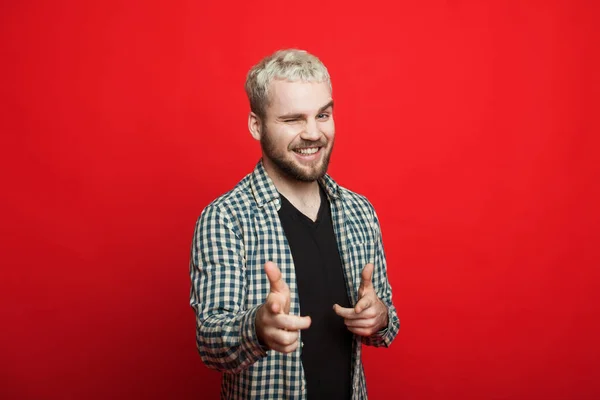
301 173
313 175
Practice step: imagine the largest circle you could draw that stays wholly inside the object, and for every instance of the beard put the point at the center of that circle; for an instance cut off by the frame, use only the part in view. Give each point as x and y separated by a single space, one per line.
288 166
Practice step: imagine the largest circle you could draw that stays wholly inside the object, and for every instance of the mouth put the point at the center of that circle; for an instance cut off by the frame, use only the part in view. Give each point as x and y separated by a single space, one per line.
307 151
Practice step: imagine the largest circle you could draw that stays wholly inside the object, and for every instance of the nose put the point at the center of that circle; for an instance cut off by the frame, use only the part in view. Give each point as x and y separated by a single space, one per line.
311 131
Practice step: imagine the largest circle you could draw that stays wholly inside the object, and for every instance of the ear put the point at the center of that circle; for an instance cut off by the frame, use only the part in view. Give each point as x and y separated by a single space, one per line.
254 125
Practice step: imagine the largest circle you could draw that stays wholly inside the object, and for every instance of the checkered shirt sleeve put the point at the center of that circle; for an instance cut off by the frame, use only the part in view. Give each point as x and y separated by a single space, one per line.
225 335
380 281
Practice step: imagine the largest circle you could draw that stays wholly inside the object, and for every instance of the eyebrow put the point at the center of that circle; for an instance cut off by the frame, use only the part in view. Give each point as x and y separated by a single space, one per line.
299 115
326 106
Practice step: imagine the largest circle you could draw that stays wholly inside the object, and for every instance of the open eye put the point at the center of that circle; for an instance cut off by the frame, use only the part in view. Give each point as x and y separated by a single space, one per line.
323 116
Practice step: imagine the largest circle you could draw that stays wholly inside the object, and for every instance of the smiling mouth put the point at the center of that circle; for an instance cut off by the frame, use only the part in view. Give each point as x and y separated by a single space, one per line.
307 151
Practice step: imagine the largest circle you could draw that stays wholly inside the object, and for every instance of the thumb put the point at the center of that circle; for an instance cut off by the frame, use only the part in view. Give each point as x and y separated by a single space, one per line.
275 278
366 277
363 304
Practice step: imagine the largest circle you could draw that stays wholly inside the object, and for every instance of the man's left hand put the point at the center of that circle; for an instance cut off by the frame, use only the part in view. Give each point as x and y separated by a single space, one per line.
369 315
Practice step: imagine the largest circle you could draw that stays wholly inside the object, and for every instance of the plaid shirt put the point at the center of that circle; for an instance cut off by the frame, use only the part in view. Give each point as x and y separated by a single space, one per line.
234 237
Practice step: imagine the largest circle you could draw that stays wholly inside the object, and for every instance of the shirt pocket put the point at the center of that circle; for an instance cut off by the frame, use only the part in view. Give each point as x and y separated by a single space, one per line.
361 253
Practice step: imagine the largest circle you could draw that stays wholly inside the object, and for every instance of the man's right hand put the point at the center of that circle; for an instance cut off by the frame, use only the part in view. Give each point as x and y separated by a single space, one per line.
275 327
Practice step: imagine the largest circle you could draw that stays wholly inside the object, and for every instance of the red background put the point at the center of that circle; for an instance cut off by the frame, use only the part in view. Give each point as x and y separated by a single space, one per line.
472 126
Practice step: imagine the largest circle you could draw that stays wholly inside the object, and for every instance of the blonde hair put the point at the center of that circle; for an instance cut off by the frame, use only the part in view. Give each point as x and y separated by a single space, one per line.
291 65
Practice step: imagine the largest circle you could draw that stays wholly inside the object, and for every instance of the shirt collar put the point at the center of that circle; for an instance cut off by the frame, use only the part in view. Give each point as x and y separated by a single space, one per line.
264 189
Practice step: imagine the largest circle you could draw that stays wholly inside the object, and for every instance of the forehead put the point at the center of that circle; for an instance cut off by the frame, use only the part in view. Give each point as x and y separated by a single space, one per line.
297 97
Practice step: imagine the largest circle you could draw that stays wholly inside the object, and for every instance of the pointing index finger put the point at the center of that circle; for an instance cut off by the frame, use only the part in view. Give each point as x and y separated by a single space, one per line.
344 312
292 322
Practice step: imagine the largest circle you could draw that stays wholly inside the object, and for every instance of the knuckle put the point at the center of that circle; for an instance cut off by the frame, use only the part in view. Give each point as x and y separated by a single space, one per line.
285 322
291 337
277 337
290 348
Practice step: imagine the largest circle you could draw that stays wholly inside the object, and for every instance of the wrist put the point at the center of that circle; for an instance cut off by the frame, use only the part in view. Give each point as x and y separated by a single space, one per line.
258 325
385 317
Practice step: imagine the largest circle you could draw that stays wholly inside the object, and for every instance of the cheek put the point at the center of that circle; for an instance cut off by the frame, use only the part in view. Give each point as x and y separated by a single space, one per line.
328 130
278 135
280 142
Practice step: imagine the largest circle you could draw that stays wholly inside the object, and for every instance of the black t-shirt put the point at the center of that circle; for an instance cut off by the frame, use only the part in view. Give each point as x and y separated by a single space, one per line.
327 344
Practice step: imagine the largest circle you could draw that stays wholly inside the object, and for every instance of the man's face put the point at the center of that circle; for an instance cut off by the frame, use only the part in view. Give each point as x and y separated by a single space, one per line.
298 130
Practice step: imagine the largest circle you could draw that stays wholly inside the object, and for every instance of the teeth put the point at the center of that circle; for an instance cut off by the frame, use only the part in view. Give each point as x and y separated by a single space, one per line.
312 150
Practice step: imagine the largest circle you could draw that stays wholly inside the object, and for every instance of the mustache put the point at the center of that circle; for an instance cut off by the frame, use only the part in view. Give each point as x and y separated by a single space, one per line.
303 144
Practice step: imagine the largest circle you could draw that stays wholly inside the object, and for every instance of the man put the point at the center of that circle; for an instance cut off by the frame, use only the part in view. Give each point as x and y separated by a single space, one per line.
288 269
